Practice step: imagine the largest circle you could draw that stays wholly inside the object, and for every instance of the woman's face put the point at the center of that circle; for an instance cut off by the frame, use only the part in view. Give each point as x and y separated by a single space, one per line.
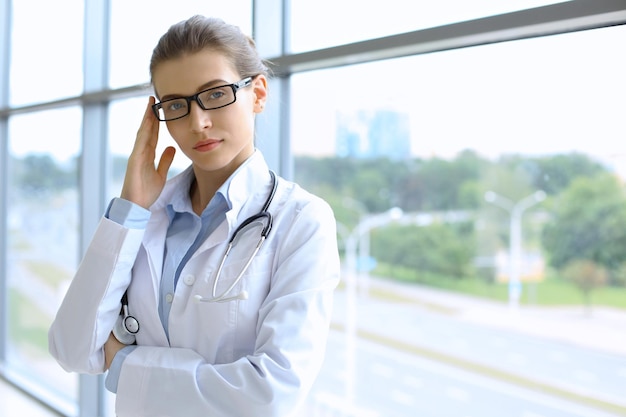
219 139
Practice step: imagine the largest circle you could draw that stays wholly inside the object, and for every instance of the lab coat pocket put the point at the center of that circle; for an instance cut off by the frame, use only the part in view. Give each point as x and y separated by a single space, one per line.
247 278
247 262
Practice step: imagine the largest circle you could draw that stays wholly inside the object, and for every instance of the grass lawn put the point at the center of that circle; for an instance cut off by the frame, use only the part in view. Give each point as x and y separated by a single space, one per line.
28 327
550 292
48 272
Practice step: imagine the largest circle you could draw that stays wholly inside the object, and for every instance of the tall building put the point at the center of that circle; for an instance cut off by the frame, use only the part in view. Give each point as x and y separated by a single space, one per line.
374 134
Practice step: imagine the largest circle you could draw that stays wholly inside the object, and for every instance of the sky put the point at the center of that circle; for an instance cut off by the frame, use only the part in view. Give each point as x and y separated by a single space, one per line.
539 96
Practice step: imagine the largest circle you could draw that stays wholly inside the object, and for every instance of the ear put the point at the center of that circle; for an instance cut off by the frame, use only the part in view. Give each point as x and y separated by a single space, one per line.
259 86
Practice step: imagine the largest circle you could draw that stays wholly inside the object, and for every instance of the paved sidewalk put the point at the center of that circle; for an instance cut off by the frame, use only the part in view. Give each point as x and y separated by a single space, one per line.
602 329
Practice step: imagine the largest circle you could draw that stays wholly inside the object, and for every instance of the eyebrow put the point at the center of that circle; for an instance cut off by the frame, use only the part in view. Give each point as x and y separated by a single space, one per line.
205 86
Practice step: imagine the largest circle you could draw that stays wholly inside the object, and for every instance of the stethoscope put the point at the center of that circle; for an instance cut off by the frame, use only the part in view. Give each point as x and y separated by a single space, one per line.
263 216
127 326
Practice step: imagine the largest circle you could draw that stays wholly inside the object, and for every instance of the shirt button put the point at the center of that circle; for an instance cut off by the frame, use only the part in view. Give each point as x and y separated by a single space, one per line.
169 298
189 279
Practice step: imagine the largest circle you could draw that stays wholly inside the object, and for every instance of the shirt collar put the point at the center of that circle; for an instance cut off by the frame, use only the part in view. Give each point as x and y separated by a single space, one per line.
249 179
233 193
180 200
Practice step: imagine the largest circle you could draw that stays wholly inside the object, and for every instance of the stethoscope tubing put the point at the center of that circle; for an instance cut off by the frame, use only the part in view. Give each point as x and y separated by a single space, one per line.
222 297
264 233
263 214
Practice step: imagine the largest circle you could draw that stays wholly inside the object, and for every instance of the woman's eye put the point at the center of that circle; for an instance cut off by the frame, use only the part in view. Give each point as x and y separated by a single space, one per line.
176 105
216 95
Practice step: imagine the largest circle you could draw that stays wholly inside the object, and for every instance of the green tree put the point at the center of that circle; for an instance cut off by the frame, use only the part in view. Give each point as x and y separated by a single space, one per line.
555 173
442 249
589 222
438 184
586 275
40 173
373 182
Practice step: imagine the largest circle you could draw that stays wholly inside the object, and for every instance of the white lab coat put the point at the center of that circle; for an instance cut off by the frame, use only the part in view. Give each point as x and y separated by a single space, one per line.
254 357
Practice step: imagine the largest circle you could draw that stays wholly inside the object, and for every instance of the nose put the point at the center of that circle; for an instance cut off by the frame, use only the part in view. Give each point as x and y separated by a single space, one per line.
199 119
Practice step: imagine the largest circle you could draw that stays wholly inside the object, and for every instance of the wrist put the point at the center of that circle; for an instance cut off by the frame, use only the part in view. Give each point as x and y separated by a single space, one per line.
111 347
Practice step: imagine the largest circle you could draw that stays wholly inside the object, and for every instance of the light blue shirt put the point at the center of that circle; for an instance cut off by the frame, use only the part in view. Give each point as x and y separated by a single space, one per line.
185 234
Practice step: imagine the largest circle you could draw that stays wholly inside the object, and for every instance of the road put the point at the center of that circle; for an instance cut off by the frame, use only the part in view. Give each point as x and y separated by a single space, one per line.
395 384
459 369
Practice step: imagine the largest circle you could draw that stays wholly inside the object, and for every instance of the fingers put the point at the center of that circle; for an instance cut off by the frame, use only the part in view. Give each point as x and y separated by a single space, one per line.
166 161
142 183
148 133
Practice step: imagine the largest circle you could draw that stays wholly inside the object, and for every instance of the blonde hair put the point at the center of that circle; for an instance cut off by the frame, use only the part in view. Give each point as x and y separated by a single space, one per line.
198 33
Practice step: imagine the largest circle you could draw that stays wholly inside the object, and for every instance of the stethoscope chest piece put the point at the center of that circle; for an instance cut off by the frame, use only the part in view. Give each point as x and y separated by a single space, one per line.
131 324
127 326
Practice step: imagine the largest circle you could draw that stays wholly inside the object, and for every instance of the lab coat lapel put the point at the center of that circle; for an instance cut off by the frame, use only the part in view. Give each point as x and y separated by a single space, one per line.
156 230
154 244
220 235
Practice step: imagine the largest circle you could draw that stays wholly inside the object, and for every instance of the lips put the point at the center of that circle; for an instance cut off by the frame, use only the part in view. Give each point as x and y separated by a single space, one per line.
207 145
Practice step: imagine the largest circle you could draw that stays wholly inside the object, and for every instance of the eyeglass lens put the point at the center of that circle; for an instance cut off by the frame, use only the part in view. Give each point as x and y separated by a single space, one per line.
209 99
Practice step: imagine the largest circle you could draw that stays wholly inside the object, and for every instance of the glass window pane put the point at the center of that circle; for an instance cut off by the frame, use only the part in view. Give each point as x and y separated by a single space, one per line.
43 230
46 50
124 120
352 21
508 163
130 61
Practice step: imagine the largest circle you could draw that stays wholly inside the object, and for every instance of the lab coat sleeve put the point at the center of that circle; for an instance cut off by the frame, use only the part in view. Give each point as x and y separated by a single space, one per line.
292 331
92 303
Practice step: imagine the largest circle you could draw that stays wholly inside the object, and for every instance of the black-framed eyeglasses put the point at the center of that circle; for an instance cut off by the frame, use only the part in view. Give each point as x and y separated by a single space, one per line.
209 99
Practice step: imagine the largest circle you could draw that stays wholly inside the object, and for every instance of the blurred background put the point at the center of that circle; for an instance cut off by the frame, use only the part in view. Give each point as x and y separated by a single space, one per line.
474 154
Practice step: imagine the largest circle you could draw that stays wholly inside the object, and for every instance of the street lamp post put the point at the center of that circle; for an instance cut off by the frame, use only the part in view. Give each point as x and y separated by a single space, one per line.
365 225
363 245
515 209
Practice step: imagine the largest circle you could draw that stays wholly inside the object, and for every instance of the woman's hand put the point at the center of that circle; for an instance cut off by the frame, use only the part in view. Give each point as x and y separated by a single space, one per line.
111 347
143 182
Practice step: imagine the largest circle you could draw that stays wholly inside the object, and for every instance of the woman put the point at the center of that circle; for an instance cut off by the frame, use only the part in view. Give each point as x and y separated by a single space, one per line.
213 339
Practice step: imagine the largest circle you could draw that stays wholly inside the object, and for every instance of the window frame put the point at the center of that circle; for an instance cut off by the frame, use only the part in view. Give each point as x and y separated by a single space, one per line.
270 29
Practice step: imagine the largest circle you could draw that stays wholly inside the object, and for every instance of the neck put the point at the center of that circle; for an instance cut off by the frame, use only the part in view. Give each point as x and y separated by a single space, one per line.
202 190
206 183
